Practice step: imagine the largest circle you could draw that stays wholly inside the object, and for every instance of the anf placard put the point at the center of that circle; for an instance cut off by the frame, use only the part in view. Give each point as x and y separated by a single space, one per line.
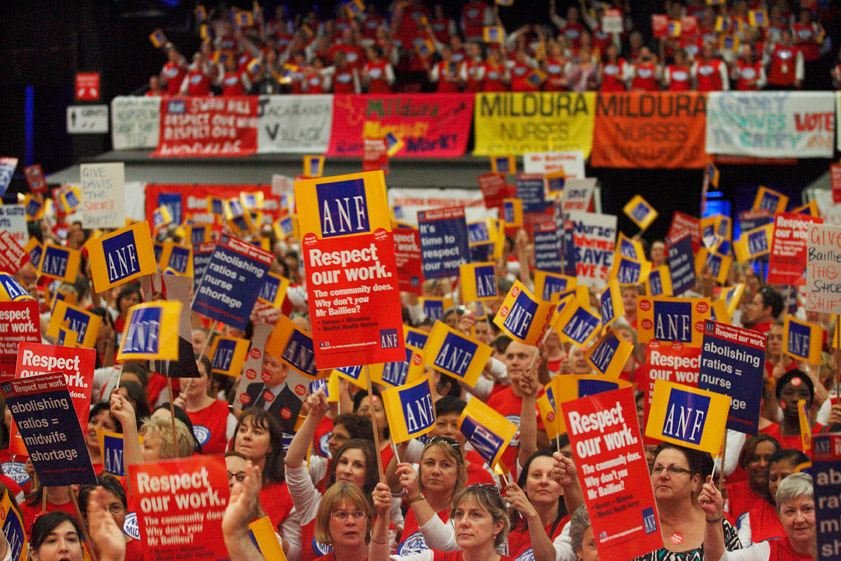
662 318
455 354
614 475
410 410
193 489
522 316
121 256
151 332
687 416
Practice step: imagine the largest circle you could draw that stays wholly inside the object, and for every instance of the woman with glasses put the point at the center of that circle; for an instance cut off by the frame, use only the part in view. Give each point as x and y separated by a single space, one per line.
539 503
479 518
115 503
354 463
343 522
430 490
677 477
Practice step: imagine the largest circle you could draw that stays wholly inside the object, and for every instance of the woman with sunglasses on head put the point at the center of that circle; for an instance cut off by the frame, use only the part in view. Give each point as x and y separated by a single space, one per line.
430 490
354 463
478 515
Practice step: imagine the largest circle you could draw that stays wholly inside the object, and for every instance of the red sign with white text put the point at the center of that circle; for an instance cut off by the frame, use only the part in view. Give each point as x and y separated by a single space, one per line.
12 255
787 261
375 155
180 504
407 255
683 223
494 189
87 86
19 323
208 126
35 178
835 180
610 461
354 300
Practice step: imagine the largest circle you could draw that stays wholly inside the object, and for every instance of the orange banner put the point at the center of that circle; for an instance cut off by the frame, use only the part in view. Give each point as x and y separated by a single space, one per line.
650 130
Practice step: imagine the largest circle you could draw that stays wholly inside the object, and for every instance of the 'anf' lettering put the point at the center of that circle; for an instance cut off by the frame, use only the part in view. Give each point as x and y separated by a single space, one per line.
342 208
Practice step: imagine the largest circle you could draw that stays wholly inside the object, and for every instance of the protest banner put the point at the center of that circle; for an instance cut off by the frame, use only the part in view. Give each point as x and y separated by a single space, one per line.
19 324
394 374
180 504
12 255
7 169
294 123
409 410
823 269
208 126
231 282
609 354
407 257
681 264
45 416
102 190
135 122
732 363
687 416
494 189
354 297
771 124
486 430
787 260
430 125
614 475
444 241
524 317
13 529
594 238
520 122
547 284
80 321
121 256
802 340
650 130
13 219
455 354
662 318
60 263
35 179
151 332
568 162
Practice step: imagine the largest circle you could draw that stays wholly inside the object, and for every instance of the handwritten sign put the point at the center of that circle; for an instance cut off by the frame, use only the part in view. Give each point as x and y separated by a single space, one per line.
103 195
823 269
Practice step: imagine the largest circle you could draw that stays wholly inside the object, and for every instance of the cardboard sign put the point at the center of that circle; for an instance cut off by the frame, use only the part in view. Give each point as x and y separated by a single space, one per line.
407 257
202 253
44 415
578 194
733 363
19 323
444 241
409 410
823 269
181 489
13 529
60 263
659 282
687 416
754 243
343 205
681 264
455 354
662 318
231 283
13 219
103 195
12 255
630 272
787 260
151 332
486 430
293 346
614 475
524 317
770 200
121 256
228 355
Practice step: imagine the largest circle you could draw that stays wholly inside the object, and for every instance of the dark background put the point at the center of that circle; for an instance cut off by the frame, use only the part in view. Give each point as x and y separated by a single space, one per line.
45 43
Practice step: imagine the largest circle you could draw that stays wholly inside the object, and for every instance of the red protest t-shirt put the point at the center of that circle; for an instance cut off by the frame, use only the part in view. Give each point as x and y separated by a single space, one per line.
30 512
476 473
741 498
412 540
210 427
519 540
765 523
510 406
781 550
322 436
276 502
459 556
795 441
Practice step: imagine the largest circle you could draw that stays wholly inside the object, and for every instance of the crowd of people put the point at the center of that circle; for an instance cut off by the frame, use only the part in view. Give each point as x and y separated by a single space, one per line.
593 46
438 498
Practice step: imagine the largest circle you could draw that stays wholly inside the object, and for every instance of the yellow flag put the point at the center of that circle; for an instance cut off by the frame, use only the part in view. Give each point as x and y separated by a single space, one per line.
768 199
60 263
343 205
486 430
640 212
410 410
151 332
455 354
688 416
802 340
264 534
478 282
121 256
524 317
84 323
228 354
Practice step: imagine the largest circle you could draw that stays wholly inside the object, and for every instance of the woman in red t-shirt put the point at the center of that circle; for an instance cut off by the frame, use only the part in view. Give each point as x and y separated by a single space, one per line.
116 504
208 415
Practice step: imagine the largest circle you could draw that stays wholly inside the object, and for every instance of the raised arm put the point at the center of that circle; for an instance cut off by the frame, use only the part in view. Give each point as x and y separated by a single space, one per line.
296 454
243 507
378 548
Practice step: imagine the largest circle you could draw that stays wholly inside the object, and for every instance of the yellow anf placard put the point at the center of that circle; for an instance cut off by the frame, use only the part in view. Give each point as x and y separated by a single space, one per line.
810 209
293 346
805 425
15 531
60 263
36 251
512 213
264 534
629 272
629 247
754 243
313 166
151 332
177 258
395 374
84 323
576 323
273 291
227 355
609 354
121 256
415 337
731 295
524 317
486 430
640 212
548 285
11 290
770 200
503 164
719 264
409 409
662 318
478 282
802 340
610 303
659 282
343 205
455 354
688 416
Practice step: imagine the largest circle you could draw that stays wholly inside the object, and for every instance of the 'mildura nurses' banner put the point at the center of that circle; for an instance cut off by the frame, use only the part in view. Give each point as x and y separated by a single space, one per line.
642 130
208 126
430 125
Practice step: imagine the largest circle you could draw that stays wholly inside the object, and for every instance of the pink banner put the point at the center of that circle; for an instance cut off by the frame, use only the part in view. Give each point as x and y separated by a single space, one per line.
208 126
429 125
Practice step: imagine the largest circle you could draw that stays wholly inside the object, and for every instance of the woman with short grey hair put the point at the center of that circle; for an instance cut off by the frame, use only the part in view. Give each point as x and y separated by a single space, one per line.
796 509
581 535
